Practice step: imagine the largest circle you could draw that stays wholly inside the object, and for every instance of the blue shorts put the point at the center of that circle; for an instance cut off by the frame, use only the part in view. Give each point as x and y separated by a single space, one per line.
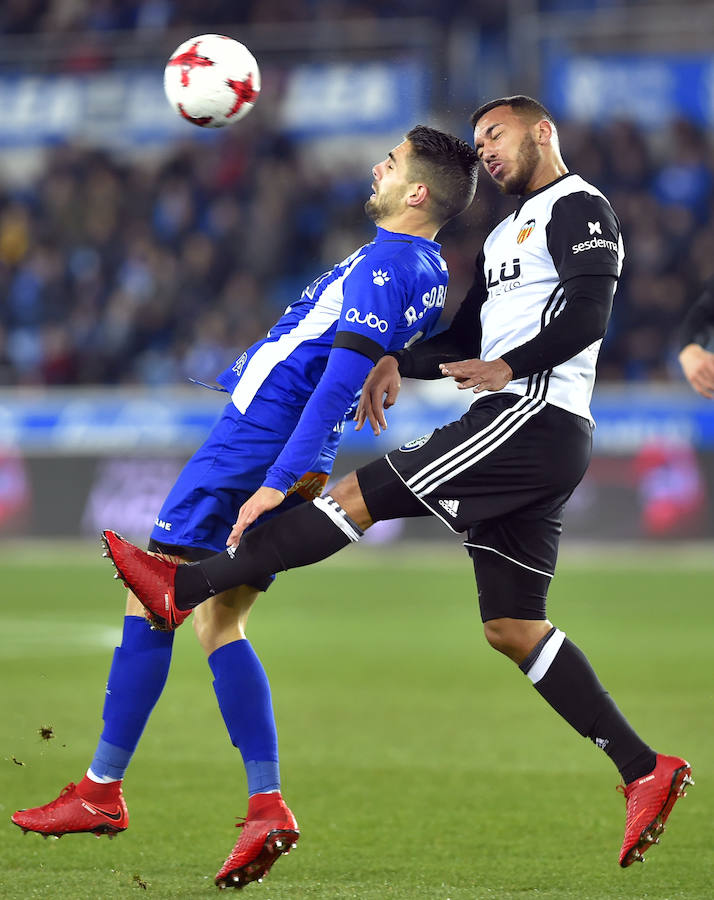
230 465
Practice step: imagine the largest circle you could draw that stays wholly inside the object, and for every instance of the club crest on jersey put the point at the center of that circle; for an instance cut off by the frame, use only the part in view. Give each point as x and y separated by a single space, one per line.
525 231
416 443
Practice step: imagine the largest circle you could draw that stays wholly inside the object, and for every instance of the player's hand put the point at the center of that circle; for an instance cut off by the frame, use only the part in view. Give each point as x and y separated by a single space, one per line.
479 374
380 391
698 367
263 500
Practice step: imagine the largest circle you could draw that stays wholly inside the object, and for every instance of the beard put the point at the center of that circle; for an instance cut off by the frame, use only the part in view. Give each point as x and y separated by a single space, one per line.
380 207
527 160
371 209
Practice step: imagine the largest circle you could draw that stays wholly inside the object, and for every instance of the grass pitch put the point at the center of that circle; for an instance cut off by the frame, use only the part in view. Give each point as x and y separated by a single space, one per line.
420 764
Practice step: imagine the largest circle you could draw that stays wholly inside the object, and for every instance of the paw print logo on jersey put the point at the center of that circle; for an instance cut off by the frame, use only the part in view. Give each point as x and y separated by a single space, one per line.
379 277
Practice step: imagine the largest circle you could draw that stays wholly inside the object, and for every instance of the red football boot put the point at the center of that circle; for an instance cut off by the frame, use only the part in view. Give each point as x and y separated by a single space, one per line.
269 830
649 802
71 813
151 578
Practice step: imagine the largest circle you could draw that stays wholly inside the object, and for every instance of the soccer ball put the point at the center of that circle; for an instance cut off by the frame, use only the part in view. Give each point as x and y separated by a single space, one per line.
212 80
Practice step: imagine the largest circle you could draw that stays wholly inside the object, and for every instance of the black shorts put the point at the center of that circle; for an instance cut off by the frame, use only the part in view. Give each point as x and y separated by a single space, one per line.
502 473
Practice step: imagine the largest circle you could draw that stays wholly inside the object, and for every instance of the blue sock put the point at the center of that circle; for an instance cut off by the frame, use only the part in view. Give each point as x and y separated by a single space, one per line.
243 693
136 679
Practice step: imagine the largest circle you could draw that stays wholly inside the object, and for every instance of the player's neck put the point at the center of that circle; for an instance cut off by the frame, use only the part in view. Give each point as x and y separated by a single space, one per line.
550 171
408 224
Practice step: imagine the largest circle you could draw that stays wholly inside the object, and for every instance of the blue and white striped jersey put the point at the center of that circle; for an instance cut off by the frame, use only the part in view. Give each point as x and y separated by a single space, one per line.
386 295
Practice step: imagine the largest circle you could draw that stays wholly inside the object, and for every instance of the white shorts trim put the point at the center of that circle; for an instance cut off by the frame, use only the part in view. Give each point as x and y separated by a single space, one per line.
423 502
509 558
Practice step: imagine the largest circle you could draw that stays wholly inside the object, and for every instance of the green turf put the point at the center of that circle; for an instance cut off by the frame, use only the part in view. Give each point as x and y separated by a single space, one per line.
420 763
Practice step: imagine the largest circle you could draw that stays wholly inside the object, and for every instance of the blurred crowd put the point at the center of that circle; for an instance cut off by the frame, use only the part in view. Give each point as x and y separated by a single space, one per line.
32 16
156 269
118 272
28 16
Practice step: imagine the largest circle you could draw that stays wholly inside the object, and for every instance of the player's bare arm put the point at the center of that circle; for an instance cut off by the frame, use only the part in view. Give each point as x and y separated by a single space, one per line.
698 367
479 374
379 392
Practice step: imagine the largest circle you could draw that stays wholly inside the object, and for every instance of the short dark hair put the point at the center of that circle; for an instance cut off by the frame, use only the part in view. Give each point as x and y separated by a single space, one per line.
448 165
524 106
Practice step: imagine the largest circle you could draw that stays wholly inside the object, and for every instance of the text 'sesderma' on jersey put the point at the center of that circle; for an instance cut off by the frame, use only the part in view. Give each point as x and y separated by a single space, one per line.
565 229
384 296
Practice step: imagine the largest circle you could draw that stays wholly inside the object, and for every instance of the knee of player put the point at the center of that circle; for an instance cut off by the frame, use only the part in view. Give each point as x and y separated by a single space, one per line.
206 626
515 638
348 494
498 635
507 636
201 626
223 618
211 635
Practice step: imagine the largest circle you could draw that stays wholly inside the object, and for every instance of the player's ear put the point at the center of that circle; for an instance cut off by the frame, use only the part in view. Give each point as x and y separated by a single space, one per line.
544 131
418 193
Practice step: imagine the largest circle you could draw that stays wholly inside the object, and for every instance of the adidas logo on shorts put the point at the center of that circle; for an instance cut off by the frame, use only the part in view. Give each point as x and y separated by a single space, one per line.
451 506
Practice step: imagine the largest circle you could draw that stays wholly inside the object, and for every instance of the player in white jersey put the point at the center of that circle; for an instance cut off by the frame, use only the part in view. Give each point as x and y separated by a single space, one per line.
525 340
289 393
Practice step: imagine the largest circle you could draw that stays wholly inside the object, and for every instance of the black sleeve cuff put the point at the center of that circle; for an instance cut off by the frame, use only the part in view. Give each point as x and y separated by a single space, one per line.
350 340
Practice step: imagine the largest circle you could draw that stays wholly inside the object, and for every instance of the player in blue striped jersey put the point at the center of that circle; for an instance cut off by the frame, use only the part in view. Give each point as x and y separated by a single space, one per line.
289 394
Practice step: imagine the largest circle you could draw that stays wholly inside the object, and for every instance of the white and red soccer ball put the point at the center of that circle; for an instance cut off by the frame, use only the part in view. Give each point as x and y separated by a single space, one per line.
212 80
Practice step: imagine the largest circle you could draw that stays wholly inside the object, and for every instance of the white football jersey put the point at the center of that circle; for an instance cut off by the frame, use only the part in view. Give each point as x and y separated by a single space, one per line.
565 229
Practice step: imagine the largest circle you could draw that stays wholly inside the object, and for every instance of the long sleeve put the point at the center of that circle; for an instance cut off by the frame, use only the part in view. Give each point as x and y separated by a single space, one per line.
344 375
588 304
698 324
460 340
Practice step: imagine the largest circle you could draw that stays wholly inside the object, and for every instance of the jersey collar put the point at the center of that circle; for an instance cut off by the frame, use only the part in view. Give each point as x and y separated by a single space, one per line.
546 187
384 235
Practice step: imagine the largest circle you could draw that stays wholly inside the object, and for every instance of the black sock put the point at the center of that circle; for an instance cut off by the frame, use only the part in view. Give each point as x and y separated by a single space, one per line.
561 674
299 537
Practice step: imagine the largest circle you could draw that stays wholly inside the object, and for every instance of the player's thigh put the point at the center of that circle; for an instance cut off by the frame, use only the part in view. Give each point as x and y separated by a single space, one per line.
382 494
203 503
507 454
514 559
